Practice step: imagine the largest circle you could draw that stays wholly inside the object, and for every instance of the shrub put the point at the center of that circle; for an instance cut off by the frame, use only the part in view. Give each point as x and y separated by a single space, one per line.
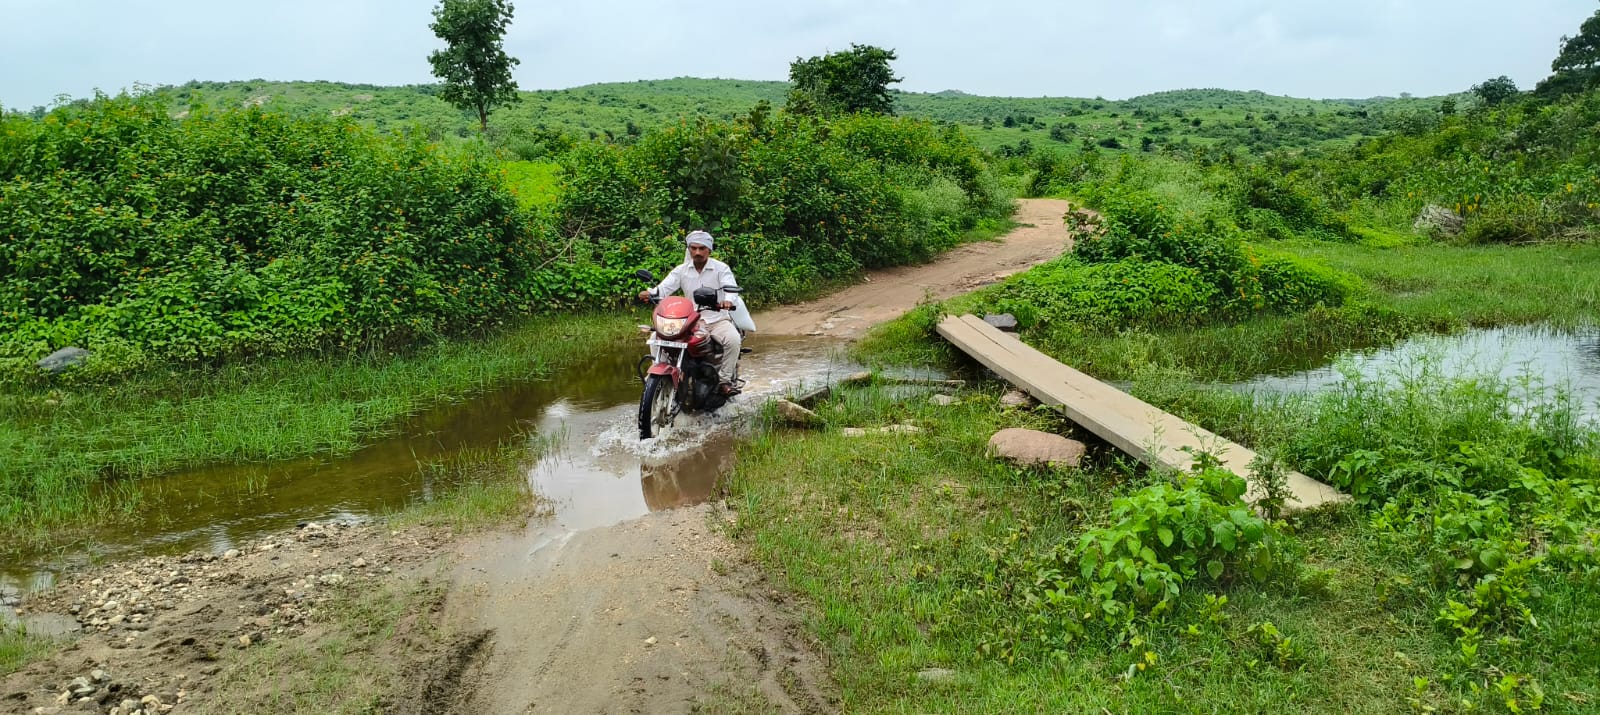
1109 295
795 202
244 232
1291 284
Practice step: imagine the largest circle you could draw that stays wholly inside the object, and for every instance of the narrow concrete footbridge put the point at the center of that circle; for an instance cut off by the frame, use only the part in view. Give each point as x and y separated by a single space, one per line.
1151 435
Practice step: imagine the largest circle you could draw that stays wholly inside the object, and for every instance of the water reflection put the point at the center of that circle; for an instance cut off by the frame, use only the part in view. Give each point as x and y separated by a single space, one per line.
597 473
1541 357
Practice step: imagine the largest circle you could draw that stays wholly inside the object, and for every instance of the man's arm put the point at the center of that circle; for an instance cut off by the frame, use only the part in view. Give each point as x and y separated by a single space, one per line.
669 284
728 281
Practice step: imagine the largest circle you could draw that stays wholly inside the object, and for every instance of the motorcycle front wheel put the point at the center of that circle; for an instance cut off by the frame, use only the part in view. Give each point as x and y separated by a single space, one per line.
655 405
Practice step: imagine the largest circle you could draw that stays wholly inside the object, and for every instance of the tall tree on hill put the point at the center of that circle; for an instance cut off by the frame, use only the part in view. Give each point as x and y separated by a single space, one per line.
1495 91
1577 67
845 82
474 67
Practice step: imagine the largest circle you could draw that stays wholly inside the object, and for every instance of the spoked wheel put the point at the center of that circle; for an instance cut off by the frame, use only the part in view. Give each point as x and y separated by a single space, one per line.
655 405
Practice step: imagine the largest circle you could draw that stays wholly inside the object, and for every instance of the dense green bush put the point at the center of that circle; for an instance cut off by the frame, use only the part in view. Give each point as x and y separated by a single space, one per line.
1150 266
242 232
1195 532
1520 171
794 202
146 238
1109 295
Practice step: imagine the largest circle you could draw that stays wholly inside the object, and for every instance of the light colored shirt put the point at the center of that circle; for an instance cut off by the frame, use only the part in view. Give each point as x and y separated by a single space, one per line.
716 274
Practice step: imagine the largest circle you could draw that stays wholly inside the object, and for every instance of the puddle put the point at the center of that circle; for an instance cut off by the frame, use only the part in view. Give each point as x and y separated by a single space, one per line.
1542 357
597 472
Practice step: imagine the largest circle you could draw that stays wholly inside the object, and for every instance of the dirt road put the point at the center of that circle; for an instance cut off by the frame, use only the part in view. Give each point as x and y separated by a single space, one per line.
659 614
889 293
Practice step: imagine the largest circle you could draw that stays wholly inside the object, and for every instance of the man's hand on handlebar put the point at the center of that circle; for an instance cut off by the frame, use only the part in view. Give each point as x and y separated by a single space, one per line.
726 305
644 296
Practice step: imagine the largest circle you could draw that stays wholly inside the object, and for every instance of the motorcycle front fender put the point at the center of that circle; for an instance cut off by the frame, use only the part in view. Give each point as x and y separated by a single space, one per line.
667 368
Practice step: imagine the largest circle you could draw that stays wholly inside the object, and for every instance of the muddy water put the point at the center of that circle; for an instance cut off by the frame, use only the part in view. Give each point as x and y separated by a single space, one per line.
593 472
1543 358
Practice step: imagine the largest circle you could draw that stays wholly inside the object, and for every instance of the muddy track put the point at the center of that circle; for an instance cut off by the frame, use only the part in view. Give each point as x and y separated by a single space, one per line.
662 614
889 293
658 614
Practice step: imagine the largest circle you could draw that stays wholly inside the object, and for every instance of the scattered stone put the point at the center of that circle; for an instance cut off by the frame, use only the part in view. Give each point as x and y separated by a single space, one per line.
1015 398
1034 448
650 641
1439 220
99 676
811 396
856 378
359 564
1005 322
62 359
231 554
900 429
935 675
795 415
853 432
942 400
244 641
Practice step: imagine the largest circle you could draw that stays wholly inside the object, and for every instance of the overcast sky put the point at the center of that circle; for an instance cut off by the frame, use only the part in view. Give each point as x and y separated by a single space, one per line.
1116 49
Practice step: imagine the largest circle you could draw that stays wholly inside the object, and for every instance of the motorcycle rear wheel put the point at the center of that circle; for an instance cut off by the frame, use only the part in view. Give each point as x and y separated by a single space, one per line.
655 405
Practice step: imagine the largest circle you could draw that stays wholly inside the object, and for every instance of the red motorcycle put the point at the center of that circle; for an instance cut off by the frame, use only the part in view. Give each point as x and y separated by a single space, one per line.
682 376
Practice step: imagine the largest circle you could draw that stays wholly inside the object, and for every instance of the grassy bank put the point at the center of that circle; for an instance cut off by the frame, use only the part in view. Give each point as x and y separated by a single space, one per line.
18 649
918 553
57 443
1405 290
1464 579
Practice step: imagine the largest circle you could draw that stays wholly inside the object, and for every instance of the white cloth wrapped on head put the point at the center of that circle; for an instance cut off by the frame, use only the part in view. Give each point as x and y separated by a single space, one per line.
701 238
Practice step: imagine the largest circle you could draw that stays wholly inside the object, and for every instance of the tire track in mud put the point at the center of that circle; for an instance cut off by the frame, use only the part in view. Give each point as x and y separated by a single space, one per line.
661 613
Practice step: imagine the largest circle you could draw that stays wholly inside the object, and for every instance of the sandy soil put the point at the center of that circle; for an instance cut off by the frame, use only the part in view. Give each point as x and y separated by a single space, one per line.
660 614
889 293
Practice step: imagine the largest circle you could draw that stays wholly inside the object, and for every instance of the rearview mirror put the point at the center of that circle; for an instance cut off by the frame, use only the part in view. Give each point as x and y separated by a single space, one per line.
645 275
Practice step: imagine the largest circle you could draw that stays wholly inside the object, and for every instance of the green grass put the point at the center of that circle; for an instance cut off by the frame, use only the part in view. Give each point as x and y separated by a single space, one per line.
1476 285
484 488
883 534
906 547
57 444
890 539
18 649
534 183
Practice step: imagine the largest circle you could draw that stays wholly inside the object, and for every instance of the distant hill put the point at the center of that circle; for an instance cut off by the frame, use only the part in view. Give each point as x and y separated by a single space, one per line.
1253 119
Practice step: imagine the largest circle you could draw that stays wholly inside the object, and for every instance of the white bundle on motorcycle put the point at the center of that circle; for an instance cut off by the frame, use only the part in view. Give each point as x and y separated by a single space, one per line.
741 315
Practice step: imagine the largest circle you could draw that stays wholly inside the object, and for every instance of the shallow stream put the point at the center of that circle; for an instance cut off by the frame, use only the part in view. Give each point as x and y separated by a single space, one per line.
592 470
1540 358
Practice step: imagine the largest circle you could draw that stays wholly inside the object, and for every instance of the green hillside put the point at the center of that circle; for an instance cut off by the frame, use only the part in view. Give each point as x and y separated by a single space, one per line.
618 111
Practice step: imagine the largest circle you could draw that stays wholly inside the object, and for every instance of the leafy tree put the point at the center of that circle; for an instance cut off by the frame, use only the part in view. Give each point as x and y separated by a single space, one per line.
1577 67
475 69
1495 91
846 82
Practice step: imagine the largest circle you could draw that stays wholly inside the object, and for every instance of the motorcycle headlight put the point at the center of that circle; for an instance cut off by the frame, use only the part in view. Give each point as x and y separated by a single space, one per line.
670 327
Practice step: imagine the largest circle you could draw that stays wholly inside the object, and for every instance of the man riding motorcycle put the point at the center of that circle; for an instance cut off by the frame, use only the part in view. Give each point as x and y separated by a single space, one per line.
701 270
